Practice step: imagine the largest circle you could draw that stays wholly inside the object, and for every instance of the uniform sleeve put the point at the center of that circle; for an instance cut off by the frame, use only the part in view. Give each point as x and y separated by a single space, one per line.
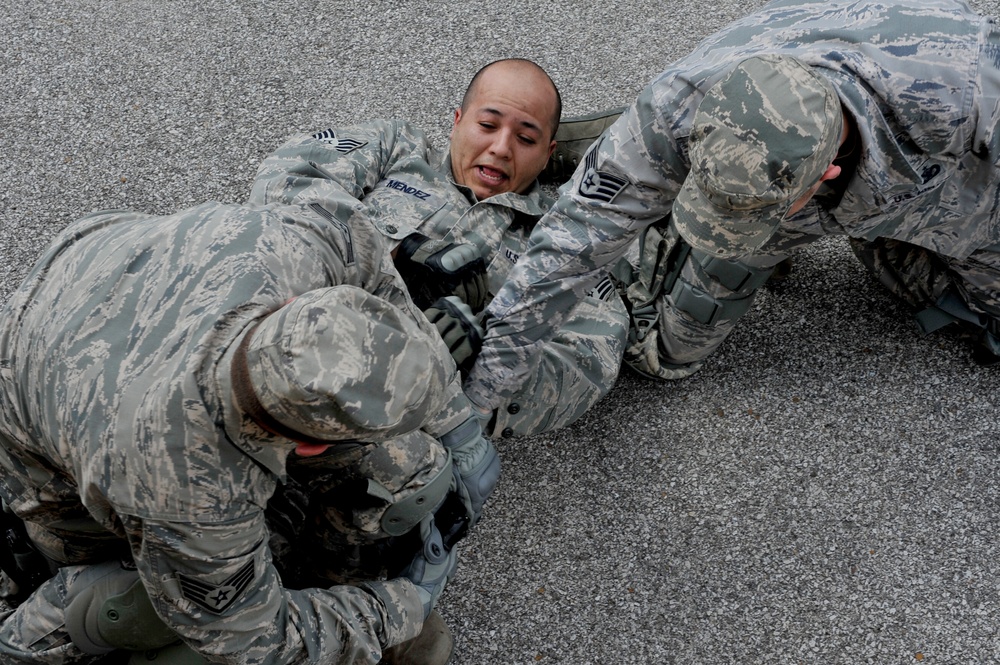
215 585
627 180
574 369
335 166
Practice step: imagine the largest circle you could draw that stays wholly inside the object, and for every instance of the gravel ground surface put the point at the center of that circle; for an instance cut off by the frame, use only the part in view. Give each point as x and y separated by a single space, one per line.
824 491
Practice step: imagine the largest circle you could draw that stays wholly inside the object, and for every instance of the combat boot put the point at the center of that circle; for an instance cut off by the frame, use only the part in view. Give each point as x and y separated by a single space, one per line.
433 646
573 137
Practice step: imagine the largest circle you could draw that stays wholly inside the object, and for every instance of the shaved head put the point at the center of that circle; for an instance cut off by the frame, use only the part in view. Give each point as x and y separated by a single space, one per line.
518 65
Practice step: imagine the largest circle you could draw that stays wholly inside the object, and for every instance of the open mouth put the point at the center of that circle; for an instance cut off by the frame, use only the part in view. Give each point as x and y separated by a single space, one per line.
491 175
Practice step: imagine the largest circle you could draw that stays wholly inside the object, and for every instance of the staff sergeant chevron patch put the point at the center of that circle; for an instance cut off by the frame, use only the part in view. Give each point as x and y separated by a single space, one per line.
341 145
216 597
598 185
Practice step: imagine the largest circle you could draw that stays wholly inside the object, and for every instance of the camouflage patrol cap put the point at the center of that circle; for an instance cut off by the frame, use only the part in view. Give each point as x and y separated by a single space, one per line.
760 139
340 363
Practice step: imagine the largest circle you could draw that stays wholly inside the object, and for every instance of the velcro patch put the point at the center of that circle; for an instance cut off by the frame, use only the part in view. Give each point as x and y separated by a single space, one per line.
598 185
216 598
339 144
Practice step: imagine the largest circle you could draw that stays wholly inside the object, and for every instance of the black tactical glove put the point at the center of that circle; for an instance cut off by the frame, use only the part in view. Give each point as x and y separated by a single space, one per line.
433 269
285 517
287 509
459 329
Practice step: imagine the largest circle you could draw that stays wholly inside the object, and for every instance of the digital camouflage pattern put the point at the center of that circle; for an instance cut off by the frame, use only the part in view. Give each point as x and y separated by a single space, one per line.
919 276
761 137
919 80
388 170
342 364
116 426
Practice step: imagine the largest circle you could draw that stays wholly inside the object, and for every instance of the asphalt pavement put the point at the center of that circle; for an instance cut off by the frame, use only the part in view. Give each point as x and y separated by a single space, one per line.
825 490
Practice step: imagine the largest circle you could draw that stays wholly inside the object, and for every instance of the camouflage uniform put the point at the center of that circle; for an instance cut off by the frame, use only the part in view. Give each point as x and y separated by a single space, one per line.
388 170
919 80
117 430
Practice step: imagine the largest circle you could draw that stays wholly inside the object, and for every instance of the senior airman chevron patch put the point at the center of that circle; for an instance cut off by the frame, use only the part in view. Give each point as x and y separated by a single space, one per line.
341 145
598 185
217 597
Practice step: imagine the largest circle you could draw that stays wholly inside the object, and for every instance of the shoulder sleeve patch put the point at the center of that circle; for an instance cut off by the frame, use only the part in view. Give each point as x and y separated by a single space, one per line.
340 144
216 598
598 185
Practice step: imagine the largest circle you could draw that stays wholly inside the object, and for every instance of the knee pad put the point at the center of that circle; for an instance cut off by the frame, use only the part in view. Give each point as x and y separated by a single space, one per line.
108 608
404 514
707 309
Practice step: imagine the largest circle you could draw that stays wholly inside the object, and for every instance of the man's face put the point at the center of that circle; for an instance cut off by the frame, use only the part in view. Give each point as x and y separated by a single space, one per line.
503 138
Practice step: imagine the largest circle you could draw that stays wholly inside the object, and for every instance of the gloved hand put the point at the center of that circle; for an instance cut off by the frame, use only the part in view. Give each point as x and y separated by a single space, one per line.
433 565
287 509
433 269
475 464
459 329
285 517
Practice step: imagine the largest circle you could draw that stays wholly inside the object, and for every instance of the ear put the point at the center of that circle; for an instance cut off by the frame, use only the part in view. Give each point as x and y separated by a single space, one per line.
458 116
552 147
831 172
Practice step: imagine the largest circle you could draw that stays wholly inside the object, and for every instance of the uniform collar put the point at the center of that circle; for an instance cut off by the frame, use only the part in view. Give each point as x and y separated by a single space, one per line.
534 202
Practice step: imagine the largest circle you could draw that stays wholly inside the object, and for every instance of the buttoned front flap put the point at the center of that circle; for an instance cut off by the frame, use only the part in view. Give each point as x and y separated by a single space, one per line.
401 202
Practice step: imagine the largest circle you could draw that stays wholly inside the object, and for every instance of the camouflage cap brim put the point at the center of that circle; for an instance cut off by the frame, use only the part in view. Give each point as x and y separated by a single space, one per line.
717 230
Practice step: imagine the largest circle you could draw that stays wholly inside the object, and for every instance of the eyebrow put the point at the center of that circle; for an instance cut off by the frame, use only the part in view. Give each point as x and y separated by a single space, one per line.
524 123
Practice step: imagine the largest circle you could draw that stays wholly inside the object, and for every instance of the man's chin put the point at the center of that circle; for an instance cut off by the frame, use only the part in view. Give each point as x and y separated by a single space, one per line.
485 187
501 188
486 192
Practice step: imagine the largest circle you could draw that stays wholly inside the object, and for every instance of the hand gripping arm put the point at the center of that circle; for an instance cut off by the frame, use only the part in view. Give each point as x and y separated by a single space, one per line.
459 329
435 268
